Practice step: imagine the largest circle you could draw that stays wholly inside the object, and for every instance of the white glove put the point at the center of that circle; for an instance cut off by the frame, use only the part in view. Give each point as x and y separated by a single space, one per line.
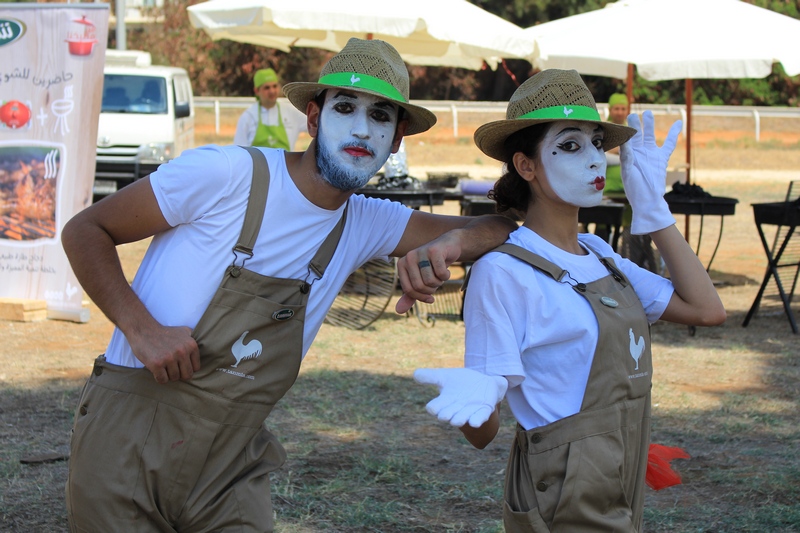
465 396
644 174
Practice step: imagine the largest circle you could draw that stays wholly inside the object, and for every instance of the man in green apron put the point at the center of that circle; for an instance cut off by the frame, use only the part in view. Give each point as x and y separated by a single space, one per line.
617 114
250 247
266 122
637 248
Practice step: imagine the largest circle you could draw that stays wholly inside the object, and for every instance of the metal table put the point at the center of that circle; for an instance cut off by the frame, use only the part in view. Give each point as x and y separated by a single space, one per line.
413 198
368 291
703 206
782 254
608 214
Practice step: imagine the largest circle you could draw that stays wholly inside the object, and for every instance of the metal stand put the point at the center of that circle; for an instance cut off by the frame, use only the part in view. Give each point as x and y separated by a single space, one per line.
368 291
783 254
448 304
704 206
364 296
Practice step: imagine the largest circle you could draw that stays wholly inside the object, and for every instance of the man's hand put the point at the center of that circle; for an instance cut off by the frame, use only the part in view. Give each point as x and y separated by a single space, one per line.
465 396
170 353
425 269
644 174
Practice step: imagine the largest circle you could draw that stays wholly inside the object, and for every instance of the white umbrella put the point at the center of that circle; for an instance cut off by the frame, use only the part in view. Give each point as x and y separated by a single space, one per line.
670 39
452 33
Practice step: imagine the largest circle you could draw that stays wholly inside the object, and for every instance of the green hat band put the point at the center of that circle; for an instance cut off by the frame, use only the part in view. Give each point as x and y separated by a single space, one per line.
362 81
564 112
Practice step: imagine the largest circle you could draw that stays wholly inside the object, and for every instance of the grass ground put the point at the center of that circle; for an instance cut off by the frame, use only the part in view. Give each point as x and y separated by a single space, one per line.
365 456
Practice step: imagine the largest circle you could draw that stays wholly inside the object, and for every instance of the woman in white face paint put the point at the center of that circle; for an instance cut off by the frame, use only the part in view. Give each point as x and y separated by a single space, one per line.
558 323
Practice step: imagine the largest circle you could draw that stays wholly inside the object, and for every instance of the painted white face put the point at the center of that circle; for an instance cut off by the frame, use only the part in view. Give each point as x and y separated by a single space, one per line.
354 137
574 162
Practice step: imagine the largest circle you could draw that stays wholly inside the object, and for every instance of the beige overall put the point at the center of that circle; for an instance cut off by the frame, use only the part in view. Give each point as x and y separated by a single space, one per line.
195 455
585 473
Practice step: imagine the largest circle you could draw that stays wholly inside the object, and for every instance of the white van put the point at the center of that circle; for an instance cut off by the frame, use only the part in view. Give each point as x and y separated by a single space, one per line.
147 118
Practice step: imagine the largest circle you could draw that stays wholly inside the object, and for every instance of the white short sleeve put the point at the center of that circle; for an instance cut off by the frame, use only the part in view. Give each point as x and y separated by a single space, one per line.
189 186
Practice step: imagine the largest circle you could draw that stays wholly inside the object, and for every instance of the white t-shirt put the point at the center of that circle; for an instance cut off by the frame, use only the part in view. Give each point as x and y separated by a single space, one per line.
293 121
203 195
541 334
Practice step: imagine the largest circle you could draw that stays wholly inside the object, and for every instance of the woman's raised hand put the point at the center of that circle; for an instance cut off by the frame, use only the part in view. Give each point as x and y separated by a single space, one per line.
644 174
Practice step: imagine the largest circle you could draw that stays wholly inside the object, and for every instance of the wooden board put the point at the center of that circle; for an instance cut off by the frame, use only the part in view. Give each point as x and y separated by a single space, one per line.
22 310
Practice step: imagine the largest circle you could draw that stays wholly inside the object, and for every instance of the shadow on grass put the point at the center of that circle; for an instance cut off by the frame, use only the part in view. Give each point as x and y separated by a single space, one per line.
363 455
35 422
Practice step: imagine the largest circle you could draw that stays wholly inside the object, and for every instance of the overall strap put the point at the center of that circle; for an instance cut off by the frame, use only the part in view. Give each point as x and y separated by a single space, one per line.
256 202
526 256
536 261
556 272
328 247
610 265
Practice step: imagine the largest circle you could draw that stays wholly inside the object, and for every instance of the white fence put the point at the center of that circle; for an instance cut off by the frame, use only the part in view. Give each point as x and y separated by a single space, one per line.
457 107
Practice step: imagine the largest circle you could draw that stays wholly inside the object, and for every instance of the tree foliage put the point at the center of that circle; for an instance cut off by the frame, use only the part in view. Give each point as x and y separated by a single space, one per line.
225 68
777 89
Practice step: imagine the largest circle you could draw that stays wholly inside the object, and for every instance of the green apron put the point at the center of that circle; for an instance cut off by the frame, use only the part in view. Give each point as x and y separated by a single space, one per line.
585 473
271 136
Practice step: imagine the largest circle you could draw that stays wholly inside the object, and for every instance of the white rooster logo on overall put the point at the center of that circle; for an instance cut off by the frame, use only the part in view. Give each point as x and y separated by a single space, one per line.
637 347
242 351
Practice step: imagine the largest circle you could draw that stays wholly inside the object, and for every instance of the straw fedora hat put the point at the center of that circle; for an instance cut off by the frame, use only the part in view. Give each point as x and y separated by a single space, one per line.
547 96
368 66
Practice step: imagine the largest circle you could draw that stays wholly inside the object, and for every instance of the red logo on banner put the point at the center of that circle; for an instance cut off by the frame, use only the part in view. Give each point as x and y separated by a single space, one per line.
81 38
14 114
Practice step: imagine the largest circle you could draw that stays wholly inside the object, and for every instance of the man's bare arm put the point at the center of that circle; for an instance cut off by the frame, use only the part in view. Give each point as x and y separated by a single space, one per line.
90 239
431 243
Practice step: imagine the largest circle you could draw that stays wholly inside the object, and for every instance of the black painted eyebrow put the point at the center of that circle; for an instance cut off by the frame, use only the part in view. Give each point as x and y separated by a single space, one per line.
345 94
569 129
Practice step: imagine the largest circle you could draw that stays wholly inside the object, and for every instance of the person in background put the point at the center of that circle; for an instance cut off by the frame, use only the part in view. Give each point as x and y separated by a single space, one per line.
250 248
637 248
559 324
267 123
617 114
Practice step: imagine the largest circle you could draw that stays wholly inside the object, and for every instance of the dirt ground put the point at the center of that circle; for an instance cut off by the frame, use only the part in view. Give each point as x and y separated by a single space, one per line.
43 364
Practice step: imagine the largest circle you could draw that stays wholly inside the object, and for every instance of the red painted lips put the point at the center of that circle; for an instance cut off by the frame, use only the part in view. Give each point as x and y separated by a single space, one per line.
357 151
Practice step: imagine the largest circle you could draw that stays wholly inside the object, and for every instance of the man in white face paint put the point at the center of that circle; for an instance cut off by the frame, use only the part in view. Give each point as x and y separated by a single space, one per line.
364 128
250 248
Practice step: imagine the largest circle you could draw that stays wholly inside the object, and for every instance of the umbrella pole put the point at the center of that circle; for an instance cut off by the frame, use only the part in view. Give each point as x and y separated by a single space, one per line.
629 87
689 98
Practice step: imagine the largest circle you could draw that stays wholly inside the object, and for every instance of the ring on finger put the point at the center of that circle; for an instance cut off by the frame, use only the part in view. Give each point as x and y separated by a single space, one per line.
424 264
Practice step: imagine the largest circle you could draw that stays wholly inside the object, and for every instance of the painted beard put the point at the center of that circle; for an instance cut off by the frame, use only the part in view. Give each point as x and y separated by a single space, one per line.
341 174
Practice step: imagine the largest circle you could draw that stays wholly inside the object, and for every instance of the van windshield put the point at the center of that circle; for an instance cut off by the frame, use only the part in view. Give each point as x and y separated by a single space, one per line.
124 93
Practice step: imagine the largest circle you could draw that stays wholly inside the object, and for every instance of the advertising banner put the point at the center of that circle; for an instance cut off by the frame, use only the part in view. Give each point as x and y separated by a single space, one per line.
51 81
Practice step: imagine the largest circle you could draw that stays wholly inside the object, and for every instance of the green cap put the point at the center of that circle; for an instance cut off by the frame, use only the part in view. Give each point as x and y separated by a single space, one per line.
265 75
617 99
